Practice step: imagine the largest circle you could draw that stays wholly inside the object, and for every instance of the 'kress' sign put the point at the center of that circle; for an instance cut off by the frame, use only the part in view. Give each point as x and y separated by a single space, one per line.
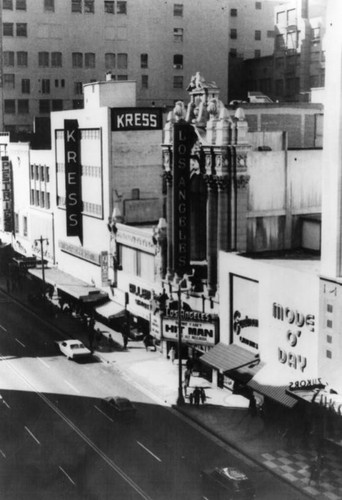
136 119
73 200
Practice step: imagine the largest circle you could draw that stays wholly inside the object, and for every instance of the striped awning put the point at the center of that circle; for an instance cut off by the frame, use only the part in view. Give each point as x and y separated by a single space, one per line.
272 383
110 310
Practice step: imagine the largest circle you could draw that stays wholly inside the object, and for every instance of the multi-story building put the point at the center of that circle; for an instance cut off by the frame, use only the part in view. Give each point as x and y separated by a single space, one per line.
51 48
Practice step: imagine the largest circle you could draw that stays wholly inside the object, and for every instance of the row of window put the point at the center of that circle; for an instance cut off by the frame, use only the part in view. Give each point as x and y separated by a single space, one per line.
86 6
16 224
40 173
79 60
40 198
257 34
90 208
20 29
234 12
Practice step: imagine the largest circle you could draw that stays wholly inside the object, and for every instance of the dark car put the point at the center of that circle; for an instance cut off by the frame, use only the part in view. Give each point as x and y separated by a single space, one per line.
120 407
226 483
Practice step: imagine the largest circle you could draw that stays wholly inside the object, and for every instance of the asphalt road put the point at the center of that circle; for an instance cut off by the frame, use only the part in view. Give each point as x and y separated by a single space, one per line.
56 438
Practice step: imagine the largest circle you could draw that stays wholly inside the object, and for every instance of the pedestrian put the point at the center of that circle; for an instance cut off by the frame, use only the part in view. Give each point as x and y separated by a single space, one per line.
91 337
110 341
125 340
187 375
172 354
252 408
191 398
197 396
203 396
315 469
146 342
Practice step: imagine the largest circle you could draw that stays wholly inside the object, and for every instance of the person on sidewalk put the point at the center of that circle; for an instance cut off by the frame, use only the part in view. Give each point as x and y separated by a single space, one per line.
187 376
197 396
203 396
172 354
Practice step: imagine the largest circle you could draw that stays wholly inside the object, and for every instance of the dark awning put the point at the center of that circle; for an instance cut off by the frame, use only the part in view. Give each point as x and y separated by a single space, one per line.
232 360
272 383
110 310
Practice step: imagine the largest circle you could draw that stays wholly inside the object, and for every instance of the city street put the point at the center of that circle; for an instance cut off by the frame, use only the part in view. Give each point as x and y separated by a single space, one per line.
56 438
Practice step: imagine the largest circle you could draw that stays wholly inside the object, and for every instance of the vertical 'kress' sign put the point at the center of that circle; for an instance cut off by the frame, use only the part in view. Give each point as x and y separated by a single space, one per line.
73 200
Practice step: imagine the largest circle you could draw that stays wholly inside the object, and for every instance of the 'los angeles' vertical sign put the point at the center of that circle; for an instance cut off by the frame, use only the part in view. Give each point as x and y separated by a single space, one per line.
73 200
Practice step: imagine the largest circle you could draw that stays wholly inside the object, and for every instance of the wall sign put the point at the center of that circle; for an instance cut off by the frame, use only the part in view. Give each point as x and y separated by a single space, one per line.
7 195
73 200
245 319
193 332
136 119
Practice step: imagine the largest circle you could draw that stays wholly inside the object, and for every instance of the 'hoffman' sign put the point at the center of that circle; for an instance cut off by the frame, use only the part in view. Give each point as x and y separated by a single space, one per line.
73 200
136 119
182 143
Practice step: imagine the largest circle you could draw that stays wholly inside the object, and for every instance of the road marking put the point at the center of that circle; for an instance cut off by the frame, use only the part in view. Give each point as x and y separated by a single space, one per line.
23 345
32 435
72 387
3 328
2 453
43 363
103 413
78 431
148 451
67 475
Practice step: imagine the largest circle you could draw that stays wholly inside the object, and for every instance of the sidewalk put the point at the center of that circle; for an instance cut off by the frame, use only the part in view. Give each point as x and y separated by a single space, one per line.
224 415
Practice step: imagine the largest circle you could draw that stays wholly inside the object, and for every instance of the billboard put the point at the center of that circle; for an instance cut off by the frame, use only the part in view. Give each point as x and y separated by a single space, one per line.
73 201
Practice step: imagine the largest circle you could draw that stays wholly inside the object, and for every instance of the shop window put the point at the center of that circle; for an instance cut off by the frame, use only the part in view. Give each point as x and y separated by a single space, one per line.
7 29
178 35
23 106
109 7
44 106
233 34
89 7
76 5
21 29
9 106
233 12
77 60
8 58
122 61
144 60
329 354
7 4
49 5
56 59
89 60
22 58
43 59
9 81
121 7
178 61
109 60
25 86
178 10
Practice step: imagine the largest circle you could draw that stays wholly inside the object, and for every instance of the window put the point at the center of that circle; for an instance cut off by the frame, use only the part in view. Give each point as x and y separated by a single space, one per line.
291 16
270 34
258 5
144 60
16 223
178 9
8 29
281 18
122 61
20 4
9 106
233 52
257 53
43 59
280 42
45 88
109 60
233 34
25 225
329 323
316 33
8 58
57 105
329 354
77 60
21 29
23 106
25 86
177 35
89 60
177 82
78 88
76 6
144 81
329 339
77 104
22 59
89 7
49 5
47 174
122 77
121 7
9 81
47 205
178 61
7 4
291 39
44 106
109 7
233 12
56 59
257 35
330 308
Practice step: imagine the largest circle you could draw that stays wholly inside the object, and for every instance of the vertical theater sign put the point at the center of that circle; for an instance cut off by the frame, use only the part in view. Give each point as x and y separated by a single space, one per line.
73 200
7 195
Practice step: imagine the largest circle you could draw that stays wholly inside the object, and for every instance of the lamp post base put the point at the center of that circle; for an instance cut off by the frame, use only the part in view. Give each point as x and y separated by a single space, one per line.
180 400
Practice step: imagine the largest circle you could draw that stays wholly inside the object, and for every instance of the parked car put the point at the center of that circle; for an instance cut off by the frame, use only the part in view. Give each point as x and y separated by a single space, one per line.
226 483
119 407
74 349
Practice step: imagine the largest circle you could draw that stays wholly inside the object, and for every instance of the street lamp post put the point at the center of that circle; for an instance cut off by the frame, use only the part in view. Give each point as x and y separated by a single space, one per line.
41 240
180 399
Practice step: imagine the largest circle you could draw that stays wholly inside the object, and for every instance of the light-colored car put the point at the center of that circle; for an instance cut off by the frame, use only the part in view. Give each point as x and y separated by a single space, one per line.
226 483
119 406
74 349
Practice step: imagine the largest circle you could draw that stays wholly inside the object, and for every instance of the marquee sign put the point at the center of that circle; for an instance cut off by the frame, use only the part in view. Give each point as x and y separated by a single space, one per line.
73 200
123 119
193 332
183 139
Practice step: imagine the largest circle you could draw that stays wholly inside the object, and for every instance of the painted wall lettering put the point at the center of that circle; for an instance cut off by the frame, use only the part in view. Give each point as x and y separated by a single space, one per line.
73 200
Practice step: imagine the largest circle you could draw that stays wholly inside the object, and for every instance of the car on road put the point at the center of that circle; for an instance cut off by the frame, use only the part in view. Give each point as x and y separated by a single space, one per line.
119 406
226 483
74 349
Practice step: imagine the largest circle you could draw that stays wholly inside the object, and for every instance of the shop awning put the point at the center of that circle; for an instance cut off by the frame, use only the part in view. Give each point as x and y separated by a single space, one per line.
232 360
70 285
110 310
272 383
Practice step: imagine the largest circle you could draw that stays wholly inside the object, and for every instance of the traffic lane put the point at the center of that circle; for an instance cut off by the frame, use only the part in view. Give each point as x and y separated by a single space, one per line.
47 456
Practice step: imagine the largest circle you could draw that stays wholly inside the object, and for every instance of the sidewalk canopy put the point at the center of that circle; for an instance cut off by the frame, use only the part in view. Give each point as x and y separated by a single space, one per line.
70 285
110 310
233 360
271 382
